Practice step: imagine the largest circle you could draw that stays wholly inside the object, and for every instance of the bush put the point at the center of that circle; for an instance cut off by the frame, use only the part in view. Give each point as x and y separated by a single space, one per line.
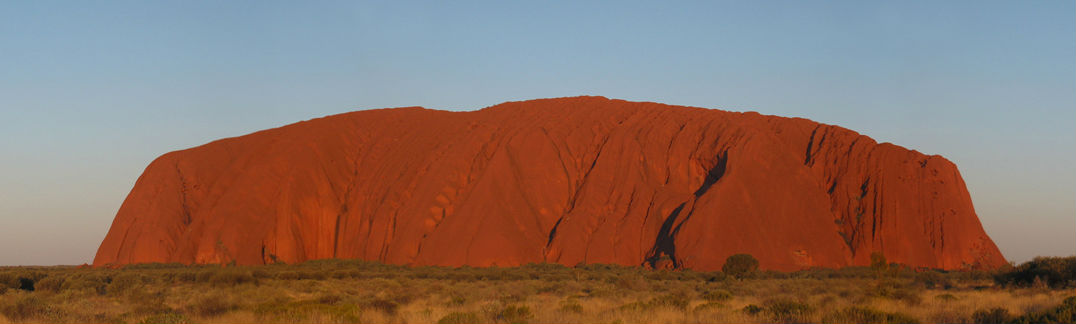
456 301
1056 272
51 284
26 284
1064 313
855 315
96 283
231 278
8 280
22 280
387 307
932 280
125 281
148 303
995 315
717 295
631 282
740 265
209 306
787 311
24 308
459 318
166 318
515 314
571 306
895 290
752 309
301 311
878 262
674 300
708 307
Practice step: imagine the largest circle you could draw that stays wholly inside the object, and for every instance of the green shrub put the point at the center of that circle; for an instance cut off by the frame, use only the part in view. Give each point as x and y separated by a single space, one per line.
856 315
26 284
147 302
125 281
635 307
387 307
24 308
740 265
1056 272
571 305
185 276
752 309
205 275
95 283
51 284
995 315
260 274
456 301
717 295
906 295
231 278
329 299
344 313
945 297
21 279
166 318
673 300
713 276
459 318
1064 313
878 262
301 311
932 280
709 306
211 305
8 280
788 311
515 314
631 282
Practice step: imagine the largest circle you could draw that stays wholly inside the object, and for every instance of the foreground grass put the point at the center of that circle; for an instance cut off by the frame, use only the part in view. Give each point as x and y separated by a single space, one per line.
337 291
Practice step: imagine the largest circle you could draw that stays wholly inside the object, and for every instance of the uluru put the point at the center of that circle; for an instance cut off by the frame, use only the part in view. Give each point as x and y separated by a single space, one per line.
566 180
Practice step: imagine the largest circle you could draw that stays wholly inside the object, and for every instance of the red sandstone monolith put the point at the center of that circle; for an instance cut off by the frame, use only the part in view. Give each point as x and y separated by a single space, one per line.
567 180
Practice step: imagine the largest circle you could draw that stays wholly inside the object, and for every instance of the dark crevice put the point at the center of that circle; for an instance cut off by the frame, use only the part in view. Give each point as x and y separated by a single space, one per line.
343 211
183 196
810 146
553 232
586 175
713 175
863 188
268 258
578 190
665 243
852 146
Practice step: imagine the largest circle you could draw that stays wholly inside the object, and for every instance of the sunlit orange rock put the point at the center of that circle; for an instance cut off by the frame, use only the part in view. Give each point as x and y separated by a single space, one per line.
569 180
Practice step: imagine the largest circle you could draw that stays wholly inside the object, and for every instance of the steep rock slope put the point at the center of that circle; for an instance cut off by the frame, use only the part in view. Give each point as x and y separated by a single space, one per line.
567 180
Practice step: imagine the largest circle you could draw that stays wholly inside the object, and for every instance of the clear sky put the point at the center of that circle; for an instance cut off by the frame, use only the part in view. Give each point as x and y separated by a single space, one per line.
91 92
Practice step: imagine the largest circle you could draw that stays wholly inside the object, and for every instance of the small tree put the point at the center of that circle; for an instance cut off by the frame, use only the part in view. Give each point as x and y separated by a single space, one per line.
740 265
878 262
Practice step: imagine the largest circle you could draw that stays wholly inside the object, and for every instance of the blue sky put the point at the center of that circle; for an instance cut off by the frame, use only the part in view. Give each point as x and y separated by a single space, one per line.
91 93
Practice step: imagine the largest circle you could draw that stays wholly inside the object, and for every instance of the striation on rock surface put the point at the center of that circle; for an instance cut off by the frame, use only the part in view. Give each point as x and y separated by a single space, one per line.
566 180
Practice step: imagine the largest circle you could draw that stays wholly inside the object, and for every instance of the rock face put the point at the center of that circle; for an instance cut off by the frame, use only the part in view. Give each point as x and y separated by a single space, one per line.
567 180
